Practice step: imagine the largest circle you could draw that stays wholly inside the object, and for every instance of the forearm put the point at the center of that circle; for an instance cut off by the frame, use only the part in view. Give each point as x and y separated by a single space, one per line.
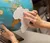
46 24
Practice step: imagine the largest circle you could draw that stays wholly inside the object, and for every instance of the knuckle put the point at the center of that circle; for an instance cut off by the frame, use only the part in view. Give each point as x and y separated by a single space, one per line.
35 11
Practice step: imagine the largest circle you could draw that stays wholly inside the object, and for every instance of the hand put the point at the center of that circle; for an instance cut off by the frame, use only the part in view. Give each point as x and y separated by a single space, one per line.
34 18
9 35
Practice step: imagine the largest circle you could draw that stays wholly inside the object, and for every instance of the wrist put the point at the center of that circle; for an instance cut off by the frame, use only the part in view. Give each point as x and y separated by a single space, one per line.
43 23
14 40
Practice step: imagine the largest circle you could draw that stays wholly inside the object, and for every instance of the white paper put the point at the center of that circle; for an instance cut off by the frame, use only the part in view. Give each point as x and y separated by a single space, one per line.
18 14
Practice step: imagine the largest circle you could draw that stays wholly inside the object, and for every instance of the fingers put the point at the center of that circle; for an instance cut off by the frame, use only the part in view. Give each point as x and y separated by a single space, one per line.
4 34
30 19
34 12
5 28
29 15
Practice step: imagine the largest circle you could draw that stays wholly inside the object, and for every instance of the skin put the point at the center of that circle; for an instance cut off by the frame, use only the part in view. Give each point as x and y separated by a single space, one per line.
9 35
37 22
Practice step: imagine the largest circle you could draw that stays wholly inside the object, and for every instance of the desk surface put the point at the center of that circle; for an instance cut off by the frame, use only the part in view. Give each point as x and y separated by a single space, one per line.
32 37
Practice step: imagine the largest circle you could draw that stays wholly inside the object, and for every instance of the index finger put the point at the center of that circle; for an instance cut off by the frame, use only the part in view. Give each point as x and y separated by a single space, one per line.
34 12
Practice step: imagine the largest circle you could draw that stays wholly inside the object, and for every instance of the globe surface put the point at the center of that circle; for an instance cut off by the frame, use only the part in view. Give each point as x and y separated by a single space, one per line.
7 8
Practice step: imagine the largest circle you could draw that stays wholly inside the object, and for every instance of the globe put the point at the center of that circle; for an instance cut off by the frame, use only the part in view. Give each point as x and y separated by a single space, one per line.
7 8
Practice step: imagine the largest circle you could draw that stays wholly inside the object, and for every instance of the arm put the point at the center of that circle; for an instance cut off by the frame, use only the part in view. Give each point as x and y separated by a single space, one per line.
36 20
45 24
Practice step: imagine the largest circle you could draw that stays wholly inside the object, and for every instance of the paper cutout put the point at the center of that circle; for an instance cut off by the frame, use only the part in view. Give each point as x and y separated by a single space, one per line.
18 14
